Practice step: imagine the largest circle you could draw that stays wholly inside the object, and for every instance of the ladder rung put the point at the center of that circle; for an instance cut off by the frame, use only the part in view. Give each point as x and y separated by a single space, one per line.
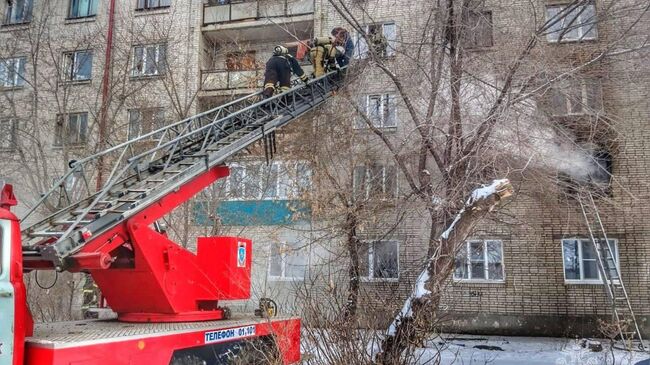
92 211
137 190
175 172
46 234
156 181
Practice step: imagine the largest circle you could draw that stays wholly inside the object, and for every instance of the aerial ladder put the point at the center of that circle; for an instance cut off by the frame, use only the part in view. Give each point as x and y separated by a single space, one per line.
622 314
166 297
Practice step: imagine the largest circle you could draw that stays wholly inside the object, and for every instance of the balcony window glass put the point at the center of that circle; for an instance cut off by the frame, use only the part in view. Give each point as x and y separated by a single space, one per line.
82 8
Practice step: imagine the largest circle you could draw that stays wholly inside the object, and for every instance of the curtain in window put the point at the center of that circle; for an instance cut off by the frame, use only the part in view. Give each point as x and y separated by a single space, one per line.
12 71
20 11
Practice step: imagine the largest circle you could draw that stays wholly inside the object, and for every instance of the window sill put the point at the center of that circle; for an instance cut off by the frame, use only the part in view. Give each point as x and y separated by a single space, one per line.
11 88
379 280
15 26
152 11
71 147
479 281
85 19
383 129
284 279
586 282
570 41
76 82
146 77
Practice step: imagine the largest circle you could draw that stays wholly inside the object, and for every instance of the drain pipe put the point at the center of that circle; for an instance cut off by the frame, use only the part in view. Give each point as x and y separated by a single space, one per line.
103 112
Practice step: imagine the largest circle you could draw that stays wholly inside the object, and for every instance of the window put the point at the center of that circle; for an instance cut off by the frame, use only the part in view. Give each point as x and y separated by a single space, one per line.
478 29
382 39
7 134
77 66
581 262
379 260
381 109
571 24
12 72
580 96
145 120
152 4
82 8
71 129
18 11
375 181
278 181
287 261
241 61
149 60
480 260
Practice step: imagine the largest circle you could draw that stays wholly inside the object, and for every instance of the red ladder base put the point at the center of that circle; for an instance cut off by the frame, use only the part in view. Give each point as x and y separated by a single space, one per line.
196 316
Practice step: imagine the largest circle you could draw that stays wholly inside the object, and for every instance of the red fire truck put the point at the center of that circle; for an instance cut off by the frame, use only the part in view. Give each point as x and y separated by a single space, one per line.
167 298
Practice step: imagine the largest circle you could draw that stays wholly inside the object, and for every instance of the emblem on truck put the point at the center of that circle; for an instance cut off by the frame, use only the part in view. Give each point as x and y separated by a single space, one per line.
241 254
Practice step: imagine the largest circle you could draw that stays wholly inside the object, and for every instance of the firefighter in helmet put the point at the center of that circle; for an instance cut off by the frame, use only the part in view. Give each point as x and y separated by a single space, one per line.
278 71
342 38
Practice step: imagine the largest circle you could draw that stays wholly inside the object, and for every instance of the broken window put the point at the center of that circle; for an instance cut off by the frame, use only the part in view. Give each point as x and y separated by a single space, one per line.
581 261
571 22
382 38
477 32
287 261
241 61
379 260
479 260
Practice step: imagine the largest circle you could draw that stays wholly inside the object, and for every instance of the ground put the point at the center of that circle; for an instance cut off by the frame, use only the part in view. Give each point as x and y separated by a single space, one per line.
502 350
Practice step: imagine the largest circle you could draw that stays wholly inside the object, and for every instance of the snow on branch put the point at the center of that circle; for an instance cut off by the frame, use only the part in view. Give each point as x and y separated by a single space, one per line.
478 200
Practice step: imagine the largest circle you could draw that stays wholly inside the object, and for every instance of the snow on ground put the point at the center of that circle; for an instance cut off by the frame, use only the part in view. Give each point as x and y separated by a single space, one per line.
504 350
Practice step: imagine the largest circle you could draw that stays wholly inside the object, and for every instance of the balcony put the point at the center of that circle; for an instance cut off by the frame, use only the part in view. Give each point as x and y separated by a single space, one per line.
258 20
218 80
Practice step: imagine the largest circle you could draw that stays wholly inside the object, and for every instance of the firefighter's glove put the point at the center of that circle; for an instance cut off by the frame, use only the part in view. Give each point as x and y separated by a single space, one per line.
304 78
269 90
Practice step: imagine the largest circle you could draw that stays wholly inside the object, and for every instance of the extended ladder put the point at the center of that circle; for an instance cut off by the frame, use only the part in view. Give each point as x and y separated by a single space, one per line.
610 272
148 167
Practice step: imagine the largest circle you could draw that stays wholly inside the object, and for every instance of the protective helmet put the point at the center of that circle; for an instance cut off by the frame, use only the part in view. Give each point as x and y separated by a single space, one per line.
280 50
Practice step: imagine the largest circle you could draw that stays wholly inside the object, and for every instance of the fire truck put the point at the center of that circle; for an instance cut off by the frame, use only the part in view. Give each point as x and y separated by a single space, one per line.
167 298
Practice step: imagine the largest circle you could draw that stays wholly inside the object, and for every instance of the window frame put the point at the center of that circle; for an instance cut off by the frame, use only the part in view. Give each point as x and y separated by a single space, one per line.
388 104
28 8
285 189
13 131
371 261
554 37
18 78
284 262
135 73
153 126
486 263
70 63
480 14
91 10
367 187
59 136
598 281
146 6
391 50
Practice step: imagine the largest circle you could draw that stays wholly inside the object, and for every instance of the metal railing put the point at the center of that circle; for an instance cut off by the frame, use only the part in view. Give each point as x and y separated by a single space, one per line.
183 150
245 10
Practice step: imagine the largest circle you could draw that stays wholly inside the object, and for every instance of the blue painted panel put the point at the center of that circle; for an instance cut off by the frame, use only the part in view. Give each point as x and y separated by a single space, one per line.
254 212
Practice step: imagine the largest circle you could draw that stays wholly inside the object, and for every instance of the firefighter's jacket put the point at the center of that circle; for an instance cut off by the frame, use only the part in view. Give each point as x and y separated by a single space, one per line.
279 70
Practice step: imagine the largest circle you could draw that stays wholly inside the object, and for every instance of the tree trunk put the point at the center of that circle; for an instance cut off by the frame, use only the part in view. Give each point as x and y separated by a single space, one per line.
352 243
417 318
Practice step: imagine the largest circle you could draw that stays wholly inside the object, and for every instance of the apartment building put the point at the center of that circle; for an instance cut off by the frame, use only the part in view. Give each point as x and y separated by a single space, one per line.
530 273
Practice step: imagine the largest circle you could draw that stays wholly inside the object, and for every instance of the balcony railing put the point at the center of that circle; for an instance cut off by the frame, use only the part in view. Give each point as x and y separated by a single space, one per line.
243 10
226 80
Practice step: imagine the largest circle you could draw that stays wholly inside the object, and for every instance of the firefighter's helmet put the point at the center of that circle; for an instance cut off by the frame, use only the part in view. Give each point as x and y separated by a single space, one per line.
280 51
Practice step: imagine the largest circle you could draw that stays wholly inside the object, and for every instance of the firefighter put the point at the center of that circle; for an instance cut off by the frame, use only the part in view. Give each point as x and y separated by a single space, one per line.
278 71
343 39
324 54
